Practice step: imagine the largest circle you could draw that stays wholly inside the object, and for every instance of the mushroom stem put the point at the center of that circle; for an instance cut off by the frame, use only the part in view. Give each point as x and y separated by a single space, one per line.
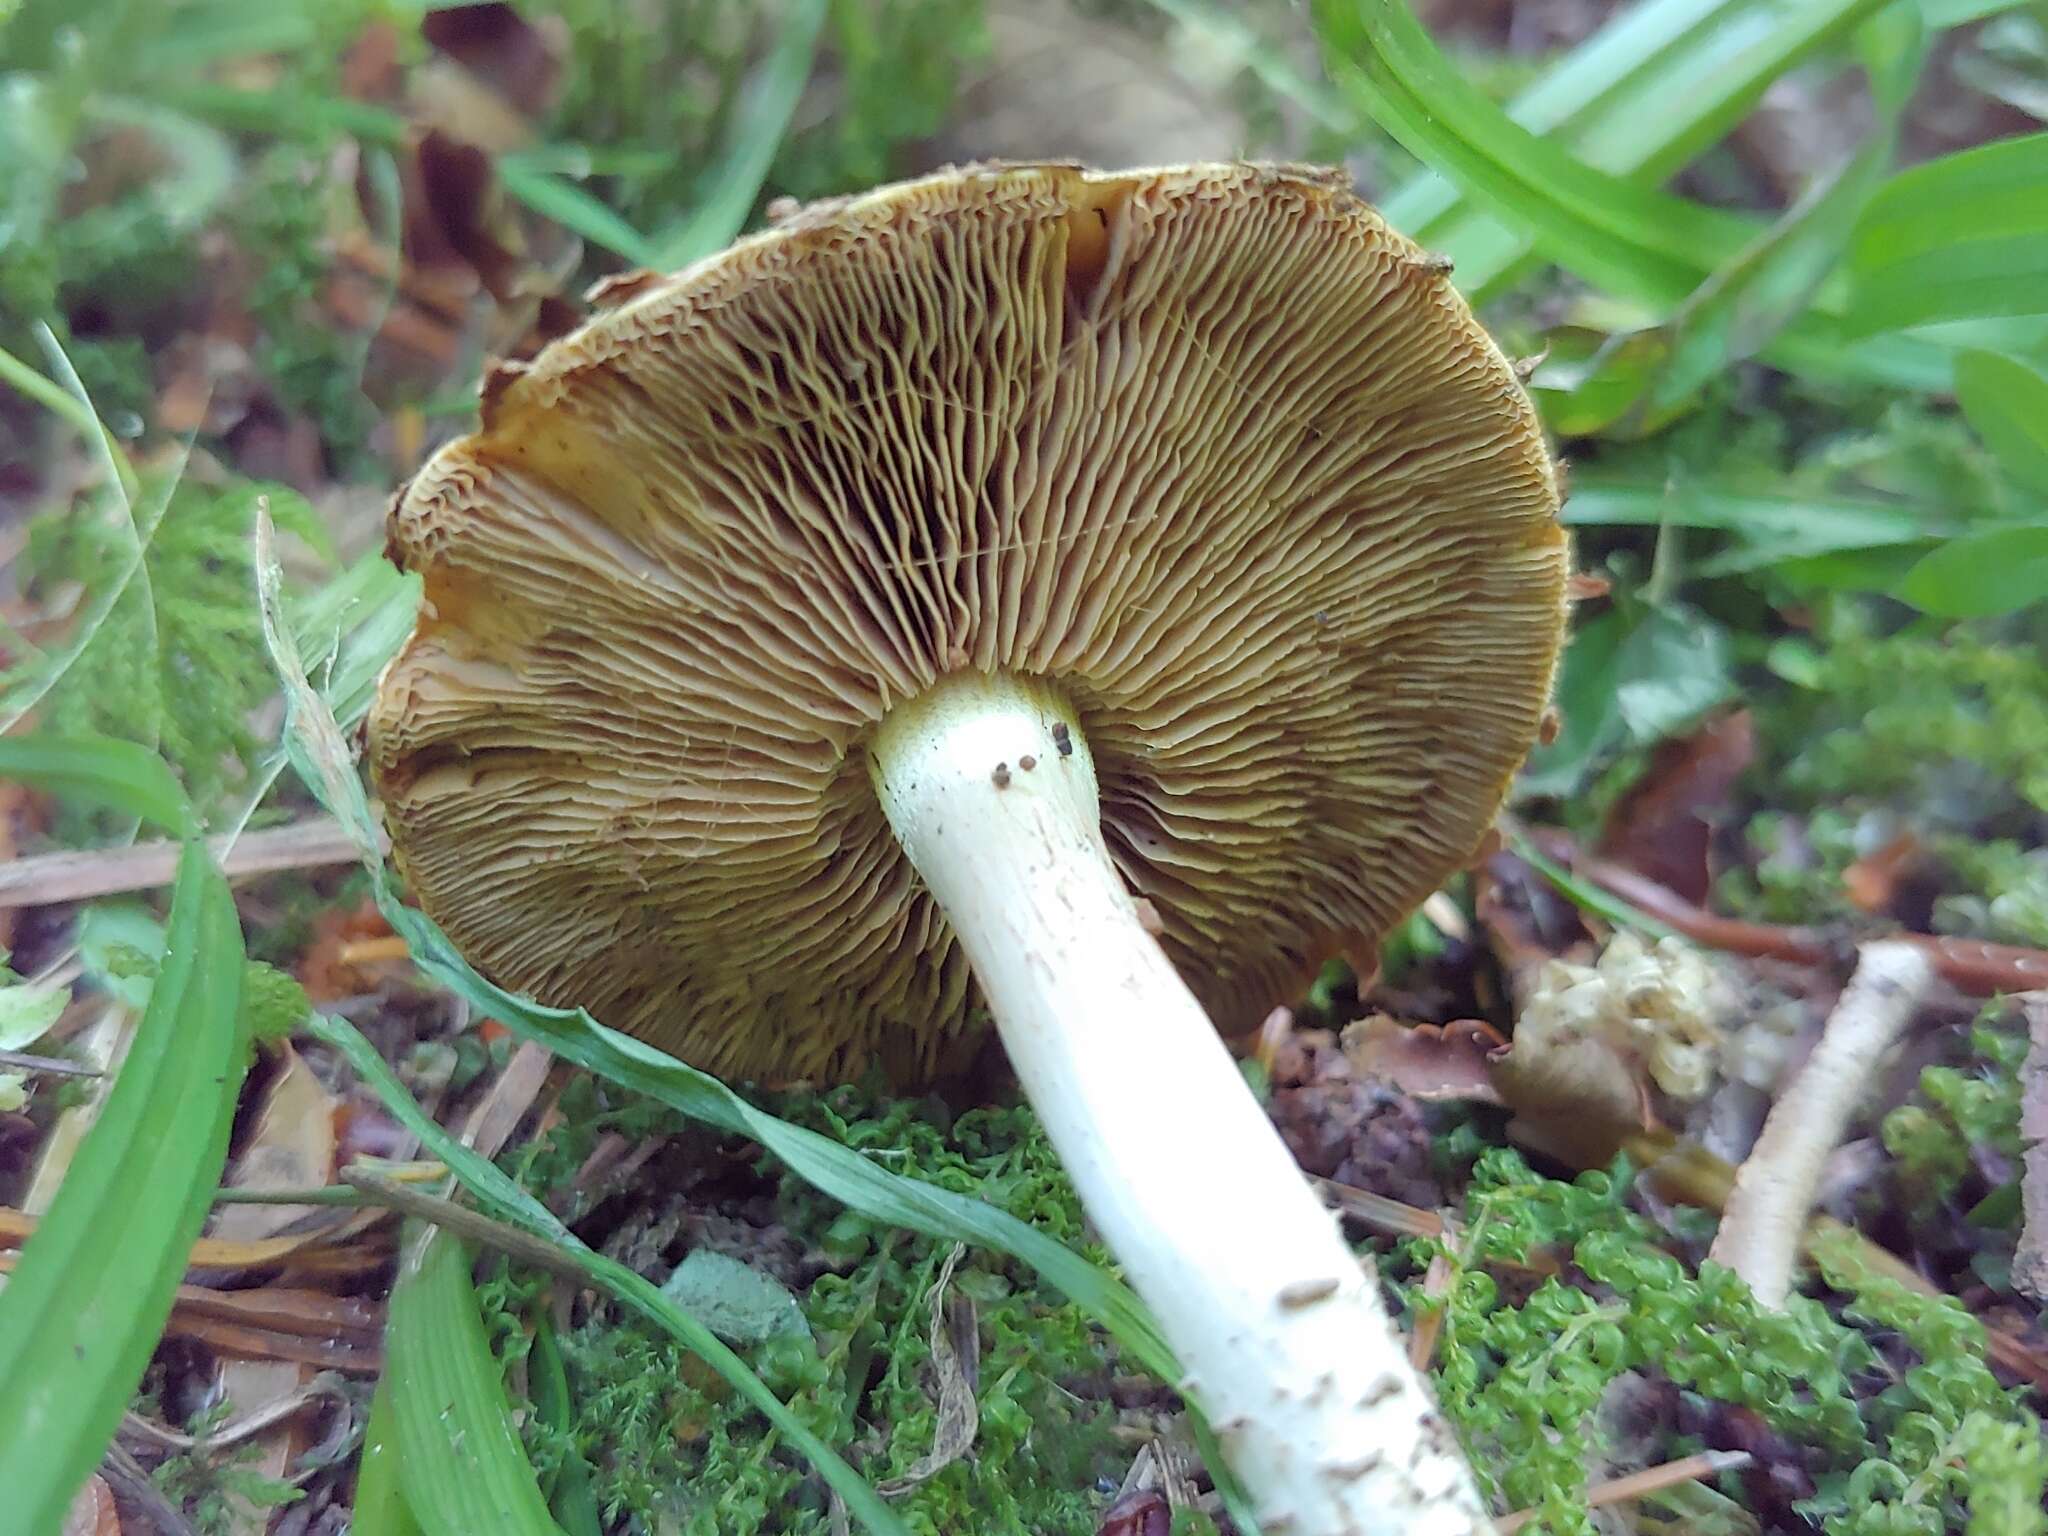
990 787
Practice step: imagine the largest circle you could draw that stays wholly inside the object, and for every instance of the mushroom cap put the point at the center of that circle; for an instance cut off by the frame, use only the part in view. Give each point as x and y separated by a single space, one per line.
1211 450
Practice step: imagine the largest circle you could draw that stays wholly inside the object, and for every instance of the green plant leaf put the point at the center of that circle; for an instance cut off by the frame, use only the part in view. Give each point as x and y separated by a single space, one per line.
570 1497
1956 238
1768 529
503 1198
87 1302
379 1507
2006 400
27 1012
731 187
1660 82
460 1461
1629 239
124 775
2000 570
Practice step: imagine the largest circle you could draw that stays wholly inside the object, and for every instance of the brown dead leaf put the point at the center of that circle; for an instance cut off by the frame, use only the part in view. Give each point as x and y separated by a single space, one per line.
92 1513
322 971
1662 826
1141 1512
1872 882
291 1147
1428 1061
955 1341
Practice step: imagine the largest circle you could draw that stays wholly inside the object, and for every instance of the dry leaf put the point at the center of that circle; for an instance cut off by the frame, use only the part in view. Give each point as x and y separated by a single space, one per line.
92 1513
956 1361
1429 1061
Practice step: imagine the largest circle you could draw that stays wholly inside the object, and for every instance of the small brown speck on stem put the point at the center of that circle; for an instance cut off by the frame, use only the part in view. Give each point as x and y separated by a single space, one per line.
1001 776
1027 763
1063 739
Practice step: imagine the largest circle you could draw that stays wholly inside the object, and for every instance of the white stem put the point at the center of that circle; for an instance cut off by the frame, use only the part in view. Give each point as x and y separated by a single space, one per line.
989 785
1763 1223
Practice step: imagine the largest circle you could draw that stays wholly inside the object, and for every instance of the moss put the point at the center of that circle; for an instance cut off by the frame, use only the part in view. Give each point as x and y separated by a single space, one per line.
1904 1423
670 1448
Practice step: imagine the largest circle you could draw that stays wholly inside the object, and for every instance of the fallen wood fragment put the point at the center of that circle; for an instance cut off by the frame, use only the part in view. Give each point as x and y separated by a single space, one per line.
1764 1222
79 876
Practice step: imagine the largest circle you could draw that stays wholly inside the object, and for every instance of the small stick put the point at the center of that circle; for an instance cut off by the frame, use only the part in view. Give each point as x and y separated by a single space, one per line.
1621 1490
80 875
464 1222
1764 1222
49 1066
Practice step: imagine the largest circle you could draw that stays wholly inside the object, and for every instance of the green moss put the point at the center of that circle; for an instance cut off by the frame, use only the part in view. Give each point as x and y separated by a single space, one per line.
1961 1110
669 1447
1941 1443
1943 733
179 658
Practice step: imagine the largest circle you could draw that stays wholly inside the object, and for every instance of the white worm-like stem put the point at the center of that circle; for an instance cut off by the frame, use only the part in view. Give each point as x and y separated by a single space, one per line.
989 785
1763 1223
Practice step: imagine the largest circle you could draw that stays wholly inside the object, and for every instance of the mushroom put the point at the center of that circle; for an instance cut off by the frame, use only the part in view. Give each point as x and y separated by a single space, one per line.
856 631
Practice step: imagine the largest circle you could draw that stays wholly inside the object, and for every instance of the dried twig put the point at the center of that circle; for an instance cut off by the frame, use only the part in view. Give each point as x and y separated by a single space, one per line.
78 876
1970 965
235 1431
1620 1490
1764 1222
51 1066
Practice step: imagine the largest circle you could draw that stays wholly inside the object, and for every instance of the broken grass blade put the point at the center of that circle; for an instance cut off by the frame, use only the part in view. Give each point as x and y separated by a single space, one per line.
509 1203
733 183
94 1285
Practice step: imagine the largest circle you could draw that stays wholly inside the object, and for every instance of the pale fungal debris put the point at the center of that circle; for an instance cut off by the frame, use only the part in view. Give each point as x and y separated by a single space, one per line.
738 591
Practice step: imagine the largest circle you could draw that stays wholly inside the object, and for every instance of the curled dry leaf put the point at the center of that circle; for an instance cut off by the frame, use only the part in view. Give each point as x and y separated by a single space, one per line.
1662 826
956 1360
1428 1061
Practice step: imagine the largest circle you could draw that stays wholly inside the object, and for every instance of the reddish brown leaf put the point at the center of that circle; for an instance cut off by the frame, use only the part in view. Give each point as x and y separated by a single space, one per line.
516 58
1661 827
1429 1061
1872 882
1141 1512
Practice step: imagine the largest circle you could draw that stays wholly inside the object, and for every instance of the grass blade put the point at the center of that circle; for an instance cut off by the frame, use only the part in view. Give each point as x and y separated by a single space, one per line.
731 187
379 1507
1633 241
1638 99
460 1461
557 198
122 775
1954 239
88 1300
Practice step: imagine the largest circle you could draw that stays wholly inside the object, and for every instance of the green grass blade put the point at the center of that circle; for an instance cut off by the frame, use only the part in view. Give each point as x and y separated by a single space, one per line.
379 1507
1954 239
460 1461
732 186
2006 400
504 1198
1767 528
87 1302
1638 99
122 775
1631 240
554 197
